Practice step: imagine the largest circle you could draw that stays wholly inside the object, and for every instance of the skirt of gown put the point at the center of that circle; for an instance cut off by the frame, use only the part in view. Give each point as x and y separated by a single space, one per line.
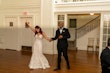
38 60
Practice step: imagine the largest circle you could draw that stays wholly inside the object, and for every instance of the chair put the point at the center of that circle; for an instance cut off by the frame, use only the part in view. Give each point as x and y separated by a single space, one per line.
90 44
97 45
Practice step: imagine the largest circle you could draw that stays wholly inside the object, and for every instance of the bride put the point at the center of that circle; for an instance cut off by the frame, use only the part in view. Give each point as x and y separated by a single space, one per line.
38 60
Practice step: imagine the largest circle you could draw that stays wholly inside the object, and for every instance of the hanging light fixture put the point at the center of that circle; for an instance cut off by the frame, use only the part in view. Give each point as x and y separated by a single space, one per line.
91 13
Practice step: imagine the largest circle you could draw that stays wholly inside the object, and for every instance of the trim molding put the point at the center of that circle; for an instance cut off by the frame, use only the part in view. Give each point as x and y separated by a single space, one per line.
86 6
19 6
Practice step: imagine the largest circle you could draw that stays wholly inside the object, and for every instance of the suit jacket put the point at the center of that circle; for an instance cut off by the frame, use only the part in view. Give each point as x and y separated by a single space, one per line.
105 58
62 43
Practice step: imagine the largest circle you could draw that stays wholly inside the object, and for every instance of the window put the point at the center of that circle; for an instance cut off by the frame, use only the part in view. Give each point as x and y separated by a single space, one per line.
72 23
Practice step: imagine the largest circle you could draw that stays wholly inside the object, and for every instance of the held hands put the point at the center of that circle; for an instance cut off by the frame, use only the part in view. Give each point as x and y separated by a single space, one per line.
50 40
60 37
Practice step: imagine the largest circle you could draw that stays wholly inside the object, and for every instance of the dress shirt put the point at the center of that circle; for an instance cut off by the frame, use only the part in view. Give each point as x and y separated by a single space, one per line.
61 29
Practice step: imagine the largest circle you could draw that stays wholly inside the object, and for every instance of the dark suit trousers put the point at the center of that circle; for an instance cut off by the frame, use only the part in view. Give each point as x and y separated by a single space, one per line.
64 51
105 70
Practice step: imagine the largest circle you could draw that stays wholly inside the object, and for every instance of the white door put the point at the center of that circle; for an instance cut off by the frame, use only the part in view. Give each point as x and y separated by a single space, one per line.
26 34
11 33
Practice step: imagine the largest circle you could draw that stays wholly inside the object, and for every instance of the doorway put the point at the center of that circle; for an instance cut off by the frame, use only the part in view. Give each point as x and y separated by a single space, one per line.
11 33
84 26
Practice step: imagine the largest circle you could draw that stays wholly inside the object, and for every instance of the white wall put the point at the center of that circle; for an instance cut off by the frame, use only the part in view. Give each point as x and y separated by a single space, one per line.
72 33
47 23
80 21
43 15
12 11
48 47
19 1
40 12
2 38
47 13
81 18
82 42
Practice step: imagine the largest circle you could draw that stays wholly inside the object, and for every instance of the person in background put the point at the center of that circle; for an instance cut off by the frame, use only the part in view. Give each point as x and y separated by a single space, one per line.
105 58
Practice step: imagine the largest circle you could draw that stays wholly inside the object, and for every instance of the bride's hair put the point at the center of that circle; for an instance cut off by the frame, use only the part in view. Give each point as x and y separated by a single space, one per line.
37 27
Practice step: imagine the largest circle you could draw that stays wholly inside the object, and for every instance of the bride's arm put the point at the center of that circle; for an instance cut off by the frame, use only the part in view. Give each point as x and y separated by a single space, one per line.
27 23
45 36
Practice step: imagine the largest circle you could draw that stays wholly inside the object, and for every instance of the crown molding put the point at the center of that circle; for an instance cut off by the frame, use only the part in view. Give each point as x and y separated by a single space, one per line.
78 4
86 6
19 5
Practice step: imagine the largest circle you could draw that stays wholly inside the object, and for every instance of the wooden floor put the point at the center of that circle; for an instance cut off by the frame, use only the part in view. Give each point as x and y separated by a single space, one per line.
81 62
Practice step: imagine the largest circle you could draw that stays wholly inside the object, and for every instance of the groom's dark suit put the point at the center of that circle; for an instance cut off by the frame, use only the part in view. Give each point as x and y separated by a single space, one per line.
62 45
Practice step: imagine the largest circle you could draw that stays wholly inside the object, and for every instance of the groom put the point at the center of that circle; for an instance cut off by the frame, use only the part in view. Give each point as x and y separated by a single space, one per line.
62 34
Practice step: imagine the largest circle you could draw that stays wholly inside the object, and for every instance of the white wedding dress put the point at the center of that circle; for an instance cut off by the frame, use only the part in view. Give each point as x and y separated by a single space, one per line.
38 60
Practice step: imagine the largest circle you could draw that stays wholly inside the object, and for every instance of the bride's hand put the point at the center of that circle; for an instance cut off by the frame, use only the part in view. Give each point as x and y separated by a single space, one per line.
27 24
50 40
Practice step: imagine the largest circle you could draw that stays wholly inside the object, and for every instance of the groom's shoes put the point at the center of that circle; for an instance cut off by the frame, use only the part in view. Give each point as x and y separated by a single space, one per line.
68 67
56 69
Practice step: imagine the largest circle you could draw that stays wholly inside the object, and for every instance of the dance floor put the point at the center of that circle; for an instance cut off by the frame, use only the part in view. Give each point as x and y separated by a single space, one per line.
80 61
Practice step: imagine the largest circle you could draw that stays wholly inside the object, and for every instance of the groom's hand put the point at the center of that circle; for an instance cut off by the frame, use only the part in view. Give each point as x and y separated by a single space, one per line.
60 37
50 40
